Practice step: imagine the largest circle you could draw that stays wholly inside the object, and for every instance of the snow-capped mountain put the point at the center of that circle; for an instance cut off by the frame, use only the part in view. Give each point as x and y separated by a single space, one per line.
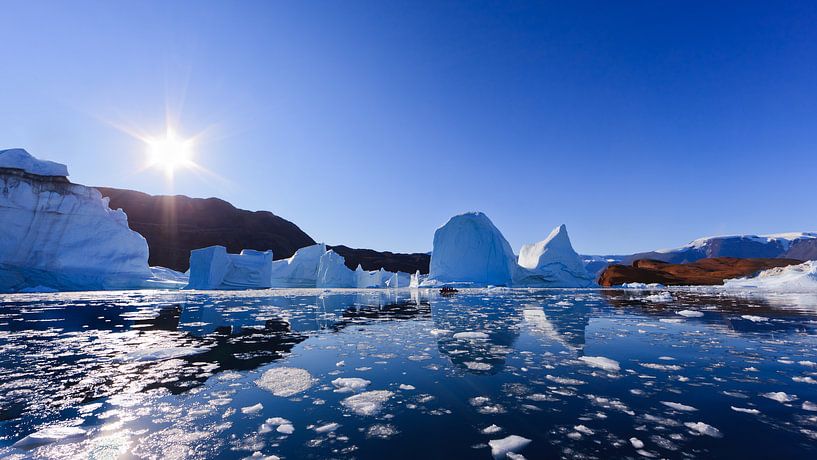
795 245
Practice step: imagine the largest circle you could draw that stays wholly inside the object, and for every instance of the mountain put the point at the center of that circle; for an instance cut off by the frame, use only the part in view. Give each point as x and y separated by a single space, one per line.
370 259
794 245
709 271
799 245
175 225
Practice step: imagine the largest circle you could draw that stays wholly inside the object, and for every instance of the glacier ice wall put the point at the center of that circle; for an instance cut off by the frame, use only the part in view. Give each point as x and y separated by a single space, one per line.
62 235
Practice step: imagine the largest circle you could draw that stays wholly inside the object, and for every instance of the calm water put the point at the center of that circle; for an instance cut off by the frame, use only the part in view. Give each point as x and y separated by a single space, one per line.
372 375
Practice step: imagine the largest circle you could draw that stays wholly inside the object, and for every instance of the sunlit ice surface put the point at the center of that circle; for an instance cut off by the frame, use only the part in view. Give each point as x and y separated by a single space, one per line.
408 374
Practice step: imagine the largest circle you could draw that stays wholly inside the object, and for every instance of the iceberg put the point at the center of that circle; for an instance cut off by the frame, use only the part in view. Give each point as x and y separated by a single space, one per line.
300 270
333 272
310 267
552 262
60 235
213 268
470 250
800 278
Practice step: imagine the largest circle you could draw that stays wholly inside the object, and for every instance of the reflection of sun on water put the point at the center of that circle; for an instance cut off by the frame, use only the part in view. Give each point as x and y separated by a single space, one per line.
170 152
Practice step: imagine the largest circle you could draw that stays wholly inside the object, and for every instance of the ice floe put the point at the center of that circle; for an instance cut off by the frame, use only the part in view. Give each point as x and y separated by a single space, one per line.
285 381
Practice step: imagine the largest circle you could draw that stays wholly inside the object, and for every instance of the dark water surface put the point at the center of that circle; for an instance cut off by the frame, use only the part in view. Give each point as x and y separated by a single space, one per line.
379 374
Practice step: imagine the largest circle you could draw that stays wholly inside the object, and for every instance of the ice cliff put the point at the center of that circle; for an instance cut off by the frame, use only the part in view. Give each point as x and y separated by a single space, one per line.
63 236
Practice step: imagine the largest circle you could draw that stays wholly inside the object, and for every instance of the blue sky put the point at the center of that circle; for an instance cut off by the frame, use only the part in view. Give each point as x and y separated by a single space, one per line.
640 125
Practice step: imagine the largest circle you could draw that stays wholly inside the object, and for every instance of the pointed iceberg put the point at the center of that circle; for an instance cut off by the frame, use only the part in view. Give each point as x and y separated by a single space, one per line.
470 250
552 262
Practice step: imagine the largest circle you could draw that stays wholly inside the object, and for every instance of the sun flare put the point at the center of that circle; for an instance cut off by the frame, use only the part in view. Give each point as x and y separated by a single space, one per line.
170 152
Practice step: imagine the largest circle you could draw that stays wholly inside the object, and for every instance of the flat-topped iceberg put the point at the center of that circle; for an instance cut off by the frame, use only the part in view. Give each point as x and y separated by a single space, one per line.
792 278
300 270
63 236
552 262
214 268
469 249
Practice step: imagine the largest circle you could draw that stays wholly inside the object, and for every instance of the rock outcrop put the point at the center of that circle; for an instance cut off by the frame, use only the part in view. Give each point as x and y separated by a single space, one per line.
709 271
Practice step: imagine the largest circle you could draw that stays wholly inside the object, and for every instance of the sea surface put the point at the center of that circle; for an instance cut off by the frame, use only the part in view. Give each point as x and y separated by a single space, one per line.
495 373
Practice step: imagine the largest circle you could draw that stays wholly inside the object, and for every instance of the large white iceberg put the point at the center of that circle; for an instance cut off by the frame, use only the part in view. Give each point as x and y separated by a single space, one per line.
300 270
470 250
333 272
61 235
213 268
800 278
552 262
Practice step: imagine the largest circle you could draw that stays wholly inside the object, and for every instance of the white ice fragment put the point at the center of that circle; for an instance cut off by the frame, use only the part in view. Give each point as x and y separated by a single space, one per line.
286 429
809 406
285 381
368 402
512 443
327 427
406 387
350 384
690 313
601 362
477 366
471 336
780 396
745 410
636 443
704 428
491 429
252 409
755 319
678 406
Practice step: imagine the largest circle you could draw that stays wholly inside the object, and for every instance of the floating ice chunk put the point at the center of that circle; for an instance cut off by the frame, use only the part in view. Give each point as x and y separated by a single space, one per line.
755 319
350 384
793 278
601 362
662 367
403 386
690 313
513 443
664 296
252 409
636 443
285 381
381 431
286 429
583 430
477 366
471 336
745 410
564 381
327 428
368 402
704 428
491 429
678 406
809 406
49 435
780 396
162 353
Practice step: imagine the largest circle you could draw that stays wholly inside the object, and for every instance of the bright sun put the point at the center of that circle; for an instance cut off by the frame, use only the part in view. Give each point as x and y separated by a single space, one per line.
170 152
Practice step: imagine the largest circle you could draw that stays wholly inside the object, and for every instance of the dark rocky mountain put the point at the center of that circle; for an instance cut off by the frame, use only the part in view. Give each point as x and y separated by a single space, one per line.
175 225
709 271
370 259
